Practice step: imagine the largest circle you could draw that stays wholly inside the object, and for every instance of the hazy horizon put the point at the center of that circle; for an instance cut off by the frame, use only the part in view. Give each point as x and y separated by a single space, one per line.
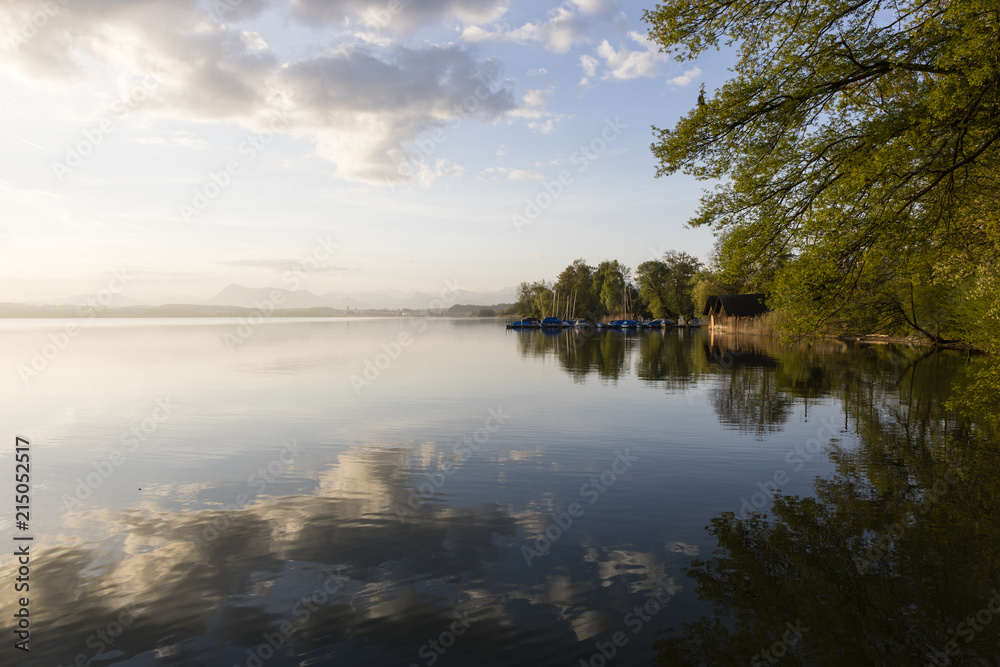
196 146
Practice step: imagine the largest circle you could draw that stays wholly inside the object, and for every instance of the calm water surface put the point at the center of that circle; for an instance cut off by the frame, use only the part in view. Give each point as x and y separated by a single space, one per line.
320 494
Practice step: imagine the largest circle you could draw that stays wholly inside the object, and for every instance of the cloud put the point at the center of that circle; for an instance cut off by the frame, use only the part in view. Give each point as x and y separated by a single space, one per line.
180 138
537 117
687 77
589 65
602 8
427 174
360 103
281 265
365 106
253 41
563 29
515 174
376 15
623 64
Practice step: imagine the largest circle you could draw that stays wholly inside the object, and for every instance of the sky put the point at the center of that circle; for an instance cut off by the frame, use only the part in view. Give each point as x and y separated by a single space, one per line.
406 145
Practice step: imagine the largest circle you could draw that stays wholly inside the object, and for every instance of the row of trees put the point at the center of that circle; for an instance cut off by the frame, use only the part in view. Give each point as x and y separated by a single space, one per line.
675 285
856 152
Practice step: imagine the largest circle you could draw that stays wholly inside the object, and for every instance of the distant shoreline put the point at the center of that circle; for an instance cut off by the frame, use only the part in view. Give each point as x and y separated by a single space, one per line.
26 311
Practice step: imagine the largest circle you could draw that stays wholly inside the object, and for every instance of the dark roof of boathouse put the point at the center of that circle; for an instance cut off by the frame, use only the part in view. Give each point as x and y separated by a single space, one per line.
736 305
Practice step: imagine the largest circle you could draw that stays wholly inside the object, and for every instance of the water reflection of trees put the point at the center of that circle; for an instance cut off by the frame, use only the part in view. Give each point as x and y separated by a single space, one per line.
662 357
671 360
754 380
893 554
580 353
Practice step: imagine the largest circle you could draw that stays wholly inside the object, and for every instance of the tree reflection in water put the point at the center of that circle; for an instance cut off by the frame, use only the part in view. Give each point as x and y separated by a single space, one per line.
894 561
893 558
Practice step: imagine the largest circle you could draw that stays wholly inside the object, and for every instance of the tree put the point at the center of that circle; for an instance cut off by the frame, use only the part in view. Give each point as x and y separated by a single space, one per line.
706 282
534 299
610 281
886 555
653 277
576 284
852 135
682 268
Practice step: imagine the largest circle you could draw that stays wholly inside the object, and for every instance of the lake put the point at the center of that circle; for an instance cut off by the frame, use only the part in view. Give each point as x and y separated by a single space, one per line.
419 491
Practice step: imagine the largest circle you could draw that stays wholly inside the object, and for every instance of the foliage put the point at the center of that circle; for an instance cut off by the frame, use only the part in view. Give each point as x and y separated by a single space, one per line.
890 555
576 283
534 299
683 268
705 283
857 149
610 281
653 276
662 288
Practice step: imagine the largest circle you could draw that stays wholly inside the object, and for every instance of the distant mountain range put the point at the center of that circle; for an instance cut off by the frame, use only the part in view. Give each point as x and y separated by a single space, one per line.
247 297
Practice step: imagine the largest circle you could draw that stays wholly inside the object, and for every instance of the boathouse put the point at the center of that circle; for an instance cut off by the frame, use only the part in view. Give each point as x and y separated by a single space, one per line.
724 310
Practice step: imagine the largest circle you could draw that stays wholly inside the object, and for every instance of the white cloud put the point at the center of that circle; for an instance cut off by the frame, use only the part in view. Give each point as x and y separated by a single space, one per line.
589 65
427 174
602 8
687 77
253 41
474 34
181 139
515 174
536 98
360 103
563 29
624 64
538 118
376 16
